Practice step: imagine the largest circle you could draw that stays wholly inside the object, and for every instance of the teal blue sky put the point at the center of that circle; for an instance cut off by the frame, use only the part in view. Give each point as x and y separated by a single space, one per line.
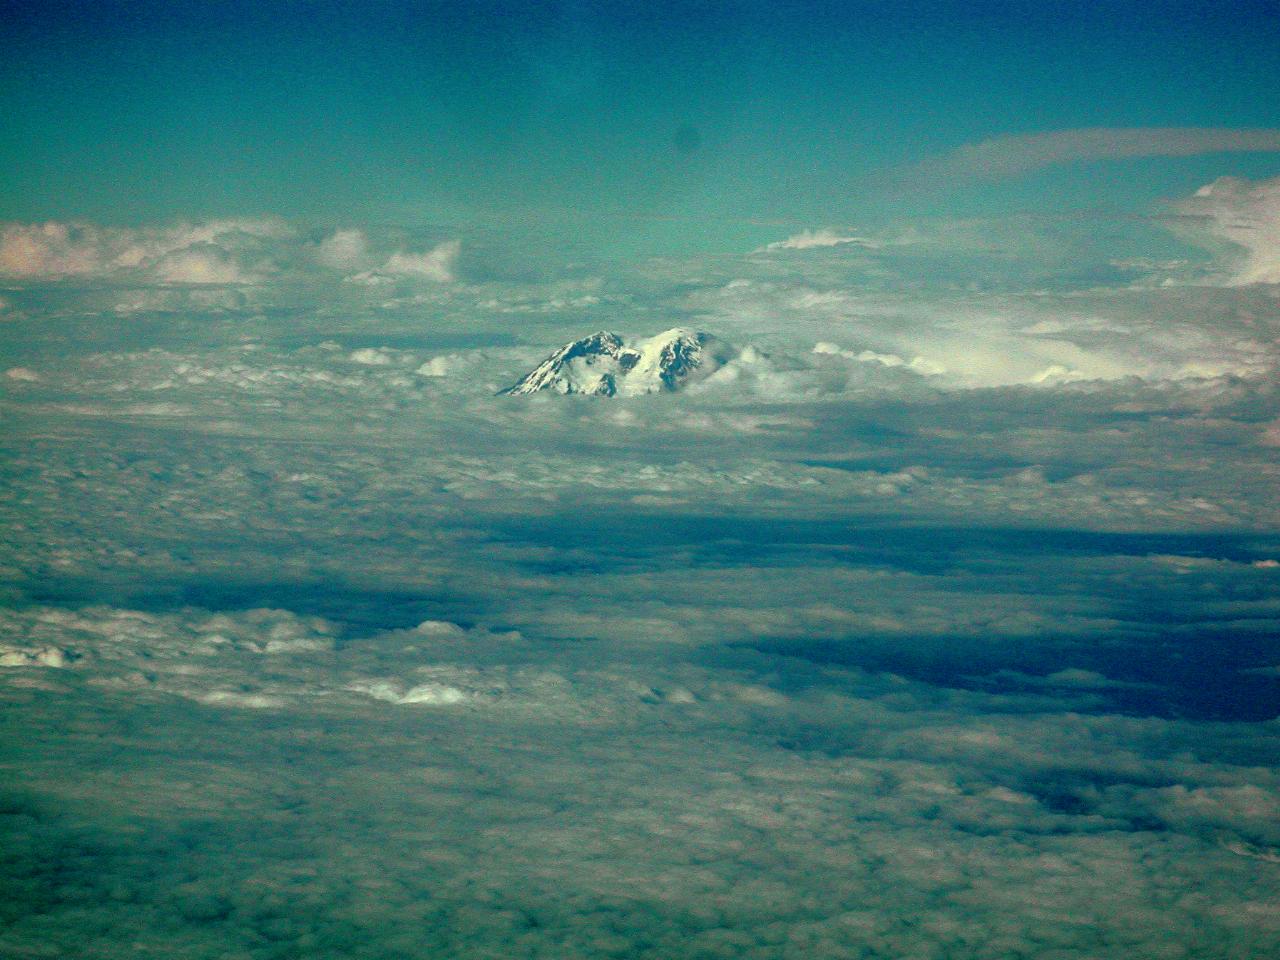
707 113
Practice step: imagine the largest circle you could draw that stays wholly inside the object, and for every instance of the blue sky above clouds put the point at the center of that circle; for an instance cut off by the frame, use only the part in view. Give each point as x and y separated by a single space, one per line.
727 110
941 622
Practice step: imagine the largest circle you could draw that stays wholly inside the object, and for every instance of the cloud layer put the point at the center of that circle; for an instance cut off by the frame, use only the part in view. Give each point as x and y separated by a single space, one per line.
944 627
438 790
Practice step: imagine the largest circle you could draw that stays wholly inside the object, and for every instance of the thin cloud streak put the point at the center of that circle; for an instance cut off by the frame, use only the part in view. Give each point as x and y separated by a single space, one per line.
1004 157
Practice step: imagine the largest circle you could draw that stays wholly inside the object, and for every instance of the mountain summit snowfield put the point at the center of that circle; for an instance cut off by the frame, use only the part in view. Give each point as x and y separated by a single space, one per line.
606 365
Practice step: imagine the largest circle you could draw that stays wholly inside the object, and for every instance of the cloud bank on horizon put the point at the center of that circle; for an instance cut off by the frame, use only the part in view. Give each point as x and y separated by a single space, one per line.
218 252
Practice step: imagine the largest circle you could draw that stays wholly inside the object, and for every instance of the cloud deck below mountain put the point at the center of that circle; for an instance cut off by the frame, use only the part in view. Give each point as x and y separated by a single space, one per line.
313 646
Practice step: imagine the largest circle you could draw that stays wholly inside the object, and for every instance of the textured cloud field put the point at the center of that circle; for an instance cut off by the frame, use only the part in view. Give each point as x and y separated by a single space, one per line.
940 624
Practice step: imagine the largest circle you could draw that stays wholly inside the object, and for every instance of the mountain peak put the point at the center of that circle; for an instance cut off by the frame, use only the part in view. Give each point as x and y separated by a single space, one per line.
605 365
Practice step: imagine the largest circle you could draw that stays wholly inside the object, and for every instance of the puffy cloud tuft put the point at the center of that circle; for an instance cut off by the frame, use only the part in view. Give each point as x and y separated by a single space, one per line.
436 264
343 249
918 365
199 263
826 237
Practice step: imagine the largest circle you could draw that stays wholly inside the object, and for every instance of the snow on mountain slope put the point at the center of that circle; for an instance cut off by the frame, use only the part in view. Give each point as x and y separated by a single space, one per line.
606 365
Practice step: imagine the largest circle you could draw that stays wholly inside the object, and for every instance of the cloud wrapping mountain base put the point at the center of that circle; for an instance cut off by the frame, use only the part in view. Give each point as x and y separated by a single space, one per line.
604 365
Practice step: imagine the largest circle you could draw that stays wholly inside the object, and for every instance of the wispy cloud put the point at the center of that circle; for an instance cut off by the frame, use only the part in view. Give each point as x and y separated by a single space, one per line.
1014 155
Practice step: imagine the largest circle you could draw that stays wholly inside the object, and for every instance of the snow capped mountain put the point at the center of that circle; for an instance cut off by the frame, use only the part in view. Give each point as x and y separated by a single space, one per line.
606 365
